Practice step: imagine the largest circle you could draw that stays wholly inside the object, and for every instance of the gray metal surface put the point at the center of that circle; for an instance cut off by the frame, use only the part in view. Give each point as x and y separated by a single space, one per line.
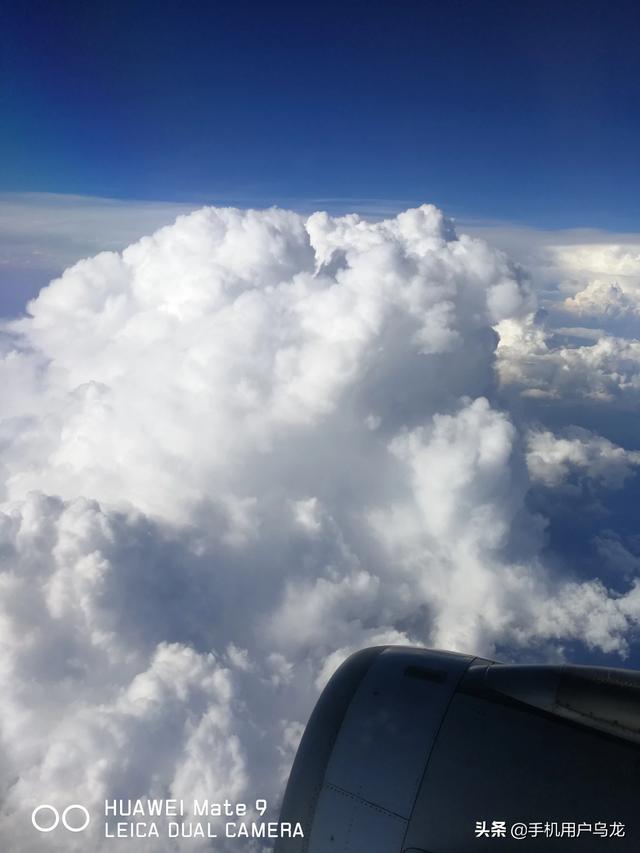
391 724
380 753
344 822
506 762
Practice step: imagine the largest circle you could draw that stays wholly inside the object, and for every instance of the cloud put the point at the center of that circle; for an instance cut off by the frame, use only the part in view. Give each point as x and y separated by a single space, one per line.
563 259
537 365
584 273
551 459
42 233
610 261
245 446
230 331
600 298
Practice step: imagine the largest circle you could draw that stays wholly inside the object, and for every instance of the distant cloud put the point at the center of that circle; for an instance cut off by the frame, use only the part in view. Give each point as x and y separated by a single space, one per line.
44 229
253 442
606 299
606 370
552 459
563 258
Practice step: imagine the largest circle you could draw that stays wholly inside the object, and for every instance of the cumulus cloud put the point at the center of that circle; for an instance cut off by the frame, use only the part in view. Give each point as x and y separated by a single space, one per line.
564 260
530 360
43 233
604 284
604 299
610 261
552 459
242 448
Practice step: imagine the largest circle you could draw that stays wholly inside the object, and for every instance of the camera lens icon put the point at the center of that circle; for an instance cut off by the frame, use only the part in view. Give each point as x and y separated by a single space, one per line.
45 818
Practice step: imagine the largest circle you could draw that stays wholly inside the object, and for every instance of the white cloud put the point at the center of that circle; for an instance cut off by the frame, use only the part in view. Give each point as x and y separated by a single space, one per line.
552 459
610 261
531 361
608 300
564 259
43 233
240 449
227 332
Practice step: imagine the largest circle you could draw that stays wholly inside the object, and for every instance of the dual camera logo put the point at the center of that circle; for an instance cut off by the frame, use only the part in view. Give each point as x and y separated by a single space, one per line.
75 818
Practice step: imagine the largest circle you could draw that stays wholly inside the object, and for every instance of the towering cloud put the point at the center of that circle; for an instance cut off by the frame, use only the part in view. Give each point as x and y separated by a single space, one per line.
247 445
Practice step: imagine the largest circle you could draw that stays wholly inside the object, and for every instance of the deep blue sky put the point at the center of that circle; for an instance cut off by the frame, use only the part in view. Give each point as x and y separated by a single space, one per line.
526 111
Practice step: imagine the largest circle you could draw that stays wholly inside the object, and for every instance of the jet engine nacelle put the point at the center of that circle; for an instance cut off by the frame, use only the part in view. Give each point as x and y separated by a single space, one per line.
419 751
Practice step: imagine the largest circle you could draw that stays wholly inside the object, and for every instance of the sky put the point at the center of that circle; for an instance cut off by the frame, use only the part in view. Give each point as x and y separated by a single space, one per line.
500 110
319 331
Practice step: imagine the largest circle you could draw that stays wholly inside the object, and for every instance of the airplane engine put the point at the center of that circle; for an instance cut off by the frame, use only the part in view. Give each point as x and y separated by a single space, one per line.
417 751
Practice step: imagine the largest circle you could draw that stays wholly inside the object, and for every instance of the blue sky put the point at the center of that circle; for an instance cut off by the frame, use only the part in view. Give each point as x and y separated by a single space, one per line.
521 112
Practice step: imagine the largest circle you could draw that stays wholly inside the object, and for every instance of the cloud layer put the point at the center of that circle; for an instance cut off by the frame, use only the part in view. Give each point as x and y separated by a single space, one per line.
249 444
